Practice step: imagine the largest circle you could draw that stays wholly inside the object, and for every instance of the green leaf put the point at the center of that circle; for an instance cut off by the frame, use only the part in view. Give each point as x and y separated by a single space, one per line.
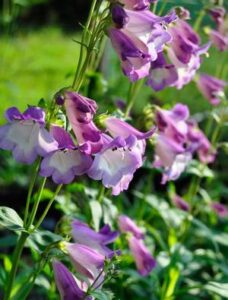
96 211
10 219
220 289
103 294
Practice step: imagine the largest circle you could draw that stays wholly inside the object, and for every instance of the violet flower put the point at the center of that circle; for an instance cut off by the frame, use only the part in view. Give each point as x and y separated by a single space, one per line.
184 52
219 40
217 14
128 225
134 54
25 135
161 74
66 283
88 262
116 163
198 142
145 262
67 161
84 235
220 209
212 88
170 150
80 111
180 203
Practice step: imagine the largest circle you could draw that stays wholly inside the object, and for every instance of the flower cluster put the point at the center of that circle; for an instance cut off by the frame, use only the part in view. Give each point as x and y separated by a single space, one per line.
177 140
111 156
88 255
138 36
144 260
165 49
219 35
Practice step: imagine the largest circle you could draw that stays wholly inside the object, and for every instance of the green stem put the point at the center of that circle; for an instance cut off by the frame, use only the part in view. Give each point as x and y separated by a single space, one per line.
199 20
132 95
83 40
15 262
31 186
39 222
36 204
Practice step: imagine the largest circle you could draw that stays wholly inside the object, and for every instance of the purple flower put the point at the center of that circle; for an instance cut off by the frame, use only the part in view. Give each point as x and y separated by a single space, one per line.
116 163
184 52
180 203
144 260
66 283
87 261
217 14
198 142
170 150
212 88
84 235
219 40
25 135
143 35
136 4
67 161
220 209
134 54
80 111
161 74
128 225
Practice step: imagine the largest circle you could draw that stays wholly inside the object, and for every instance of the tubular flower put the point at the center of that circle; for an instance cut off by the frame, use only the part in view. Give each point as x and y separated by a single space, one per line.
66 283
199 143
139 37
184 52
80 111
25 135
211 88
161 74
144 260
67 161
134 54
220 209
87 261
116 163
84 235
219 36
128 225
170 150
180 203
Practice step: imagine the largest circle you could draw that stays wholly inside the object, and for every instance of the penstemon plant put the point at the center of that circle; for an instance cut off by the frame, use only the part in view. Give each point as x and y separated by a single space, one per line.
164 245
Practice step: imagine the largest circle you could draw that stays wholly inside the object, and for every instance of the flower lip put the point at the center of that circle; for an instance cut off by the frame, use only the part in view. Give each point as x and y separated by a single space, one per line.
32 113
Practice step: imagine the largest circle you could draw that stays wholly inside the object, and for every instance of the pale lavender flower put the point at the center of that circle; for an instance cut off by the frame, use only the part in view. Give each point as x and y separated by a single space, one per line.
80 111
116 163
145 262
128 225
198 142
161 74
67 161
219 40
220 209
66 283
184 52
140 36
25 135
83 234
133 53
180 203
212 88
87 261
217 14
